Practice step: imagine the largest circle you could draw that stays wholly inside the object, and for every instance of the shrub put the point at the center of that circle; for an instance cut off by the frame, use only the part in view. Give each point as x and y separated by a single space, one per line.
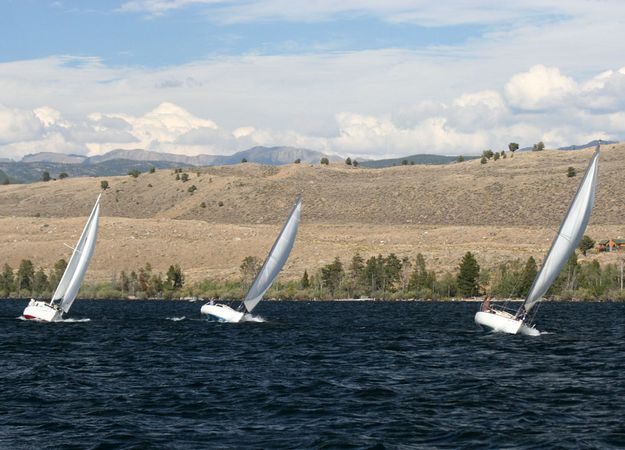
203 205
104 185
325 161
184 177
45 176
63 175
134 173
152 169
570 172
220 203
297 161
192 188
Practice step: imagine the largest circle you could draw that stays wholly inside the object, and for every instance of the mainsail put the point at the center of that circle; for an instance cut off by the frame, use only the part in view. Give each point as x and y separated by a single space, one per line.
275 260
568 237
74 273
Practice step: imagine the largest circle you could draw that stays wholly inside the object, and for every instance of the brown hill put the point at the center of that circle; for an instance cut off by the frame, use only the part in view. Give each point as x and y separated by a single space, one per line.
503 209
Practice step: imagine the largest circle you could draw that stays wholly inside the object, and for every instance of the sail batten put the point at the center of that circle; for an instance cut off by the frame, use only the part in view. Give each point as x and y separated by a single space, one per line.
568 236
75 271
276 258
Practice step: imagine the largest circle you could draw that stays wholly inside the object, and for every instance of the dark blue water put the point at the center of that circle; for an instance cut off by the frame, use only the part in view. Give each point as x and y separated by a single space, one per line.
314 375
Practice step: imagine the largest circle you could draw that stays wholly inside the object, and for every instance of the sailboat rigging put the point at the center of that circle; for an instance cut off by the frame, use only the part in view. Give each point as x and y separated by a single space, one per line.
566 240
72 278
274 262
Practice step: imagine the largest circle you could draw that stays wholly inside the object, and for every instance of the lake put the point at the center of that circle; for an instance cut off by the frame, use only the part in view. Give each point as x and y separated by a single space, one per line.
155 374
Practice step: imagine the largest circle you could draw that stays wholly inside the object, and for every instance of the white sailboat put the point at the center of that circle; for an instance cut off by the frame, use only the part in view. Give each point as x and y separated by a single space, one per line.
273 264
71 280
564 244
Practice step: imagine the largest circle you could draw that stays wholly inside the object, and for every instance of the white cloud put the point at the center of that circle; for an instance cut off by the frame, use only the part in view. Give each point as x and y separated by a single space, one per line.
539 88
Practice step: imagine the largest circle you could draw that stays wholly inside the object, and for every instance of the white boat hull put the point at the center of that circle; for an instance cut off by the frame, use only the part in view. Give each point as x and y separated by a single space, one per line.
42 312
502 322
221 313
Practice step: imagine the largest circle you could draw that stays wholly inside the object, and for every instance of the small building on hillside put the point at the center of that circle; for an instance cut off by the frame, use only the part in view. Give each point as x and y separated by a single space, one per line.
611 245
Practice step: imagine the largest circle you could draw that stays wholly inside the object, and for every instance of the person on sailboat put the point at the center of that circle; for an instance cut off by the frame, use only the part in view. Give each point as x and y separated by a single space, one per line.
486 304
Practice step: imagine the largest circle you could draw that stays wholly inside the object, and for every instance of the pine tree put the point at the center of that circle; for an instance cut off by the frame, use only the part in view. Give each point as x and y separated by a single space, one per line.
468 276
305 282
25 274
527 277
7 280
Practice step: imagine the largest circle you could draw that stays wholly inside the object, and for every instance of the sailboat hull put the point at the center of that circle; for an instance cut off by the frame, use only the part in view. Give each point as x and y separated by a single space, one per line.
221 313
501 322
41 312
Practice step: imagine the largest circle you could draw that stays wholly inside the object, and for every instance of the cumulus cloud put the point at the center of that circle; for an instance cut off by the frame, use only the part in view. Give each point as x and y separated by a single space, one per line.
539 88
541 103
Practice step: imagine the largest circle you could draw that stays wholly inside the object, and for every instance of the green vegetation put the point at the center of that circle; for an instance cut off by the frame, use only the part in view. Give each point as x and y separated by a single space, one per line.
325 161
45 176
152 169
538 147
184 177
63 175
348 161
297 161
134 173
586 244
192 189
570 172
381 277
104 185
513 147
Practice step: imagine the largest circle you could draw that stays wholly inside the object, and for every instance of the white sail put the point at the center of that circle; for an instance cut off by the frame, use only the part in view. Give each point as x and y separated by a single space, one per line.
74 273
275 260
568 237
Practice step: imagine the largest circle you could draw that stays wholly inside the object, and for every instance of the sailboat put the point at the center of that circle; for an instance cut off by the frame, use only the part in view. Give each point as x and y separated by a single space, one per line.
278 255
564 244
71 280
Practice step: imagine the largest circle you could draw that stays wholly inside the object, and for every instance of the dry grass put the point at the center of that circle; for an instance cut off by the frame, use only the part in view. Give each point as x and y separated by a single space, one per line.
502 210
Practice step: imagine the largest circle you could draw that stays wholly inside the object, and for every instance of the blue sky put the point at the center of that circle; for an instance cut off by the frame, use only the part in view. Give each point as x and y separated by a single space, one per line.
357 77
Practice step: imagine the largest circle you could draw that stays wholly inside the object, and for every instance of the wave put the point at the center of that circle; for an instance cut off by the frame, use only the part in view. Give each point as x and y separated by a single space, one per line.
250 318
176 319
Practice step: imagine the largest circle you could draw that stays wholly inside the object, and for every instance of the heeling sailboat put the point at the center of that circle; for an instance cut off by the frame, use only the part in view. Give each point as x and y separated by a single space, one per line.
71 280
564 244
278 255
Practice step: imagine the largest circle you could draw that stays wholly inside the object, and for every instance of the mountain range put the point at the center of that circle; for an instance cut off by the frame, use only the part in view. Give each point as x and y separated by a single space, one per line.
120 162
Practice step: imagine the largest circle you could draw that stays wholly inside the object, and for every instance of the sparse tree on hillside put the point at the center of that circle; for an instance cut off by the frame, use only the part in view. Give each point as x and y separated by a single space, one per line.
325 161
538 147
348 161
192 189
297 161
404 162
355 163
460 158
496 156
587 243
513 147
243 160
305 281
152 169
571 172
488 154
45 176
483 160
184 177
249 268
134 173
63 175
104 185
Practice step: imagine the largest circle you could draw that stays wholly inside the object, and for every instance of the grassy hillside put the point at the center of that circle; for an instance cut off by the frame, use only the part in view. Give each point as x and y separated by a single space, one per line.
501 210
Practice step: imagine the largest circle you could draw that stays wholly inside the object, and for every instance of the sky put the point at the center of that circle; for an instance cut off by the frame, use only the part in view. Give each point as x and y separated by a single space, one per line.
359 78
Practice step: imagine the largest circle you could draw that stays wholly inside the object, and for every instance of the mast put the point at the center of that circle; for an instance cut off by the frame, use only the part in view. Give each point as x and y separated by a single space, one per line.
276 258
78 261
567 239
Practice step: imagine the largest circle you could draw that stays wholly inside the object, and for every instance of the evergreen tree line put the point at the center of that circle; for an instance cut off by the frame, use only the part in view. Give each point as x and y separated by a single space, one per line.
381 277
144 283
